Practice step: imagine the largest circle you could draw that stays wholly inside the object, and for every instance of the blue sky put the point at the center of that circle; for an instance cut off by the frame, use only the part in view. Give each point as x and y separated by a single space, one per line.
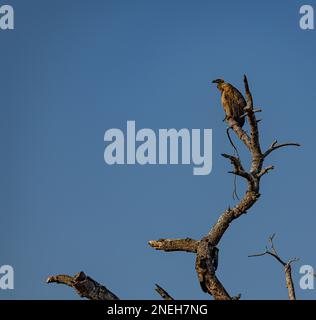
71 70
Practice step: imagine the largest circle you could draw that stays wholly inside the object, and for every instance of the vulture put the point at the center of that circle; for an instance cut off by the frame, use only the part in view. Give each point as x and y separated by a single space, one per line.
232 100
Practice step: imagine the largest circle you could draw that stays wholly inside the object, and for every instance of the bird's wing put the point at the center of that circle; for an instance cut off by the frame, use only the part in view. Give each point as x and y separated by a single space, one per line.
236 103
227 103
239 101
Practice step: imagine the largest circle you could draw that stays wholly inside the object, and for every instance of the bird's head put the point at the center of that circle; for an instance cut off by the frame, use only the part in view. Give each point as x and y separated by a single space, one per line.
219 83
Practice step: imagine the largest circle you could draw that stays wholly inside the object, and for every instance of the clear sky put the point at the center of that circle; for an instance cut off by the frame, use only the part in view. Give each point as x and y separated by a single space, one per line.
72 69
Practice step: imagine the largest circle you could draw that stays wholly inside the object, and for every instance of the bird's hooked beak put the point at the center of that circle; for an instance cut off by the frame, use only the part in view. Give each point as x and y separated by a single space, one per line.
218 81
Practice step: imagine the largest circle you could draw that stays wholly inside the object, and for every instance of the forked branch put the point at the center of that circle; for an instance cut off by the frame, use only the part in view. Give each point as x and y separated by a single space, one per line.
287 266
274 146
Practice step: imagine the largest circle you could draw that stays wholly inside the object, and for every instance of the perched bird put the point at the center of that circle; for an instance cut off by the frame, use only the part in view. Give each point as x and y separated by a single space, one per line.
232 100
233 103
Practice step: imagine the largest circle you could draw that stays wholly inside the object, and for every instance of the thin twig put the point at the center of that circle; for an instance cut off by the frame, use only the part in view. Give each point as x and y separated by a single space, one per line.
274 146
265 171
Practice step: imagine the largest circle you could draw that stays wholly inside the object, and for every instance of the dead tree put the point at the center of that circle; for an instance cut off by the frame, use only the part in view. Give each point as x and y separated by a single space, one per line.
205 249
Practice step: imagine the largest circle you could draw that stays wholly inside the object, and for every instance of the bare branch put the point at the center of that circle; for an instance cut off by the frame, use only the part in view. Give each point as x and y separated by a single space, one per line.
254 134
85 286
265 171
235 161
289 281
274 255
272 244
254 111
241 134
61 279
287 266
258 254
239 170
275 146
187 244
237 297
228 216
163 293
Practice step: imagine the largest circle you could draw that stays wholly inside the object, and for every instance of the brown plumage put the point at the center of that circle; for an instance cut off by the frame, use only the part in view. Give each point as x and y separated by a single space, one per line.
232 100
